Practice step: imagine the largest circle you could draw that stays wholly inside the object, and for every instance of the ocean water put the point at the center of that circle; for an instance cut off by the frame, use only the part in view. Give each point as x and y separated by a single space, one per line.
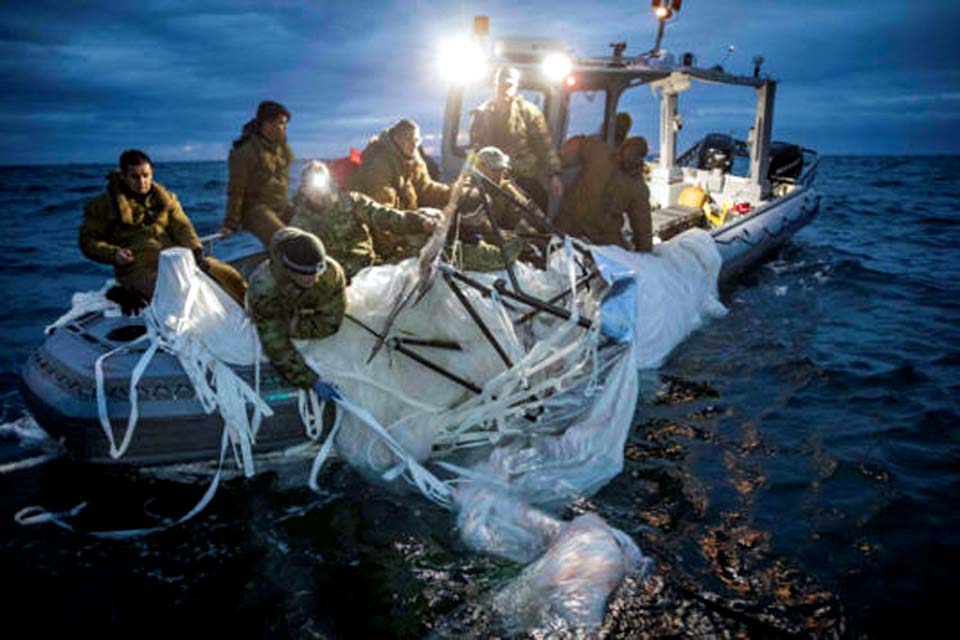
793 469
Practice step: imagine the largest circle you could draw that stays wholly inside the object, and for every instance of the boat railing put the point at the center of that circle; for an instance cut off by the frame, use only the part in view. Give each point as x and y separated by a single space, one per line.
811 161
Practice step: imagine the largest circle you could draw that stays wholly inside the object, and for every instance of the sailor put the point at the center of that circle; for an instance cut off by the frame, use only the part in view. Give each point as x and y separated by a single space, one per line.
609 185
259 165
491 192
517 127
135 219
298 293
348 222
622 122
394 173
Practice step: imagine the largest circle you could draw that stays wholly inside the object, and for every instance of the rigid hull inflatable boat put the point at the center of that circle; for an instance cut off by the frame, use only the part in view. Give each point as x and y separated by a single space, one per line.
745 215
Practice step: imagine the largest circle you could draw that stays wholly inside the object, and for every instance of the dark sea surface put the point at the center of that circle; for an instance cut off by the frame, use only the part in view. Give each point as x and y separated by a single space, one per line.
794 468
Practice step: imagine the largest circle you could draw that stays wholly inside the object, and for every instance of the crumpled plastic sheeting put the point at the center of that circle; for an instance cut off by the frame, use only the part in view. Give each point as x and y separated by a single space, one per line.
567 588
185 294
401 394
576 565
84 302
676 291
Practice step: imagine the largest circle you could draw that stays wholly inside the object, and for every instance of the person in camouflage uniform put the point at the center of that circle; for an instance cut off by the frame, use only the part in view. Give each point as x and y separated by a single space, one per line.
346 222
517 127
298 293
259 182
394 174
135 219
609 185
510 206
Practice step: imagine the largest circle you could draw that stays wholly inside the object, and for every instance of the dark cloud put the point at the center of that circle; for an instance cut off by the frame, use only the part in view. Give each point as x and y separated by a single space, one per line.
83 80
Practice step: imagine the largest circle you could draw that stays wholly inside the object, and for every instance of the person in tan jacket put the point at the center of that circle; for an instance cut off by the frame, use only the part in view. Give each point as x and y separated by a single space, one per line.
259 182
135 219
394 174
609 186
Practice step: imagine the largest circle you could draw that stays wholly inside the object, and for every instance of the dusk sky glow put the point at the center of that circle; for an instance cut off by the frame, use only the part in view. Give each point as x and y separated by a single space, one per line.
178 79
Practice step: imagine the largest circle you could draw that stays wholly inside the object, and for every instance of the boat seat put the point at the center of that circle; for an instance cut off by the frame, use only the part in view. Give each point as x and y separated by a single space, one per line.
675 219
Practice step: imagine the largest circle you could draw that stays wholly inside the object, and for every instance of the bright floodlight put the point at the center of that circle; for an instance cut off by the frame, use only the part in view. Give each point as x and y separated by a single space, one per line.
556 66
461 61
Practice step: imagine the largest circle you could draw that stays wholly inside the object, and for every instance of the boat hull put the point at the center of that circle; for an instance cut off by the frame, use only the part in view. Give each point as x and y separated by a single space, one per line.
59 386
752 237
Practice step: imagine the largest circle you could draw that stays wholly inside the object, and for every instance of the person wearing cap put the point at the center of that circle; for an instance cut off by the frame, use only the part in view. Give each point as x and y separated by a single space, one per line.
490 192
609 186
299 293
259 175
517 127
348 222
135 219
393 173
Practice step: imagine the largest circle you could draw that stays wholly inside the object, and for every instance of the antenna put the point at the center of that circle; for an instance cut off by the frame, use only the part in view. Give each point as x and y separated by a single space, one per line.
730 49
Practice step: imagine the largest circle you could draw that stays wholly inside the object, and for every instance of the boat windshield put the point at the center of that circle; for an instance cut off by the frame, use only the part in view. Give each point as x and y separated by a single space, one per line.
585 113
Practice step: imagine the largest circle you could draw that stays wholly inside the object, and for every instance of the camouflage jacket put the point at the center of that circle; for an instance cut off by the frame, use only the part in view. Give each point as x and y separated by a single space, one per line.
390 178
509 215
118 219
259 174
283 311
348 228
520 132
594 205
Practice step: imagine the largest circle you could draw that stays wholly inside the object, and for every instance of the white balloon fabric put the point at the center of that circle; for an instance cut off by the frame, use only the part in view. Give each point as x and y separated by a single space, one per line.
533 422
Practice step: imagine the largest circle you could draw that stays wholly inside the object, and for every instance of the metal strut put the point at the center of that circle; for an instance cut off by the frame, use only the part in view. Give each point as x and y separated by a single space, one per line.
416 357
477 319
560 296
499 288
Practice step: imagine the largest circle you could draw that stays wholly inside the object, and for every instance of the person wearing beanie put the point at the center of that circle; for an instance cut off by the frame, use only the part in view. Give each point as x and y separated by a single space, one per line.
351 224
393 173
609 186
135 219
517 127
298 293
259 175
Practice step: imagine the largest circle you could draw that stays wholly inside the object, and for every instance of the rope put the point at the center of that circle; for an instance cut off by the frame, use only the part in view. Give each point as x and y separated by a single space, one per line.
34 515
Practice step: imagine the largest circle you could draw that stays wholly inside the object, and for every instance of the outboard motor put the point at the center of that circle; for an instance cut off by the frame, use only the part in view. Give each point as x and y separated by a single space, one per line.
717 152
786 161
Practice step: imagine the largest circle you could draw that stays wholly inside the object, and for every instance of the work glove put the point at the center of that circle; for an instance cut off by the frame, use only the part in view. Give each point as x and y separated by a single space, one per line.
326 391
202 261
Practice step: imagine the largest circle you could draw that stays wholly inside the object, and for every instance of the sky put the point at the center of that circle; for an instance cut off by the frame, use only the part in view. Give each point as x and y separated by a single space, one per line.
80 82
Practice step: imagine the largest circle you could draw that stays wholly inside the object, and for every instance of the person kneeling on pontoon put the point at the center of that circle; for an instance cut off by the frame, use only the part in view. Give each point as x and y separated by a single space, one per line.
132 222
298 293
348 222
